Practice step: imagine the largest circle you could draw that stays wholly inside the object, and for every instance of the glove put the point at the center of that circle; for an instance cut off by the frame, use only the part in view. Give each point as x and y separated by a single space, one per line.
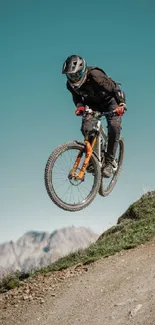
120 109
80 110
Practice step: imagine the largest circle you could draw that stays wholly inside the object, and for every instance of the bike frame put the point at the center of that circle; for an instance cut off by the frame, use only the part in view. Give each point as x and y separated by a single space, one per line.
98 142
90 148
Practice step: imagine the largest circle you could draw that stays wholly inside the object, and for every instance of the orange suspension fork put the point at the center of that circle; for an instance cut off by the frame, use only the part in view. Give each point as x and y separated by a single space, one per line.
76 164
89 150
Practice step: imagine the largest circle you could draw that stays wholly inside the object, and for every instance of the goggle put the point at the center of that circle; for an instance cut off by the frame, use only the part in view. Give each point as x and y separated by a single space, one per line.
75 76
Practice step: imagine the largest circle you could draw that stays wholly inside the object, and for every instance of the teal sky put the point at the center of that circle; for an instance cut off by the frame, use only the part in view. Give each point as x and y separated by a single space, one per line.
37 113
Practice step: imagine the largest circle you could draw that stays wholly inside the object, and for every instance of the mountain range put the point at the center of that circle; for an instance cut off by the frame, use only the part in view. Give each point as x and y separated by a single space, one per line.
38 249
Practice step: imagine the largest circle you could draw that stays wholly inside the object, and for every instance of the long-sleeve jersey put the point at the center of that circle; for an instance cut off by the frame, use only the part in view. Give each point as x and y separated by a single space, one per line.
98 91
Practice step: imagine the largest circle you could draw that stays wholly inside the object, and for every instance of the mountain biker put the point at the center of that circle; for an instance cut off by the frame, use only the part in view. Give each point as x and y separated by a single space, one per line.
90 86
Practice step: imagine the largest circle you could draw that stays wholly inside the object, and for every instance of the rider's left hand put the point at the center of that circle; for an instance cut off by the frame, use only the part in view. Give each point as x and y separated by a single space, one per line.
120 109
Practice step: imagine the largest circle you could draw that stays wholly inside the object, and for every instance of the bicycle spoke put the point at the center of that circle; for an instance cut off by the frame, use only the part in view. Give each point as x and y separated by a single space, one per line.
71 192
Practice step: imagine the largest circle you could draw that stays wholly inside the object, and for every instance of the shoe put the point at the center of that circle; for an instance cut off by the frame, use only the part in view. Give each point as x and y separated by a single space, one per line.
107 171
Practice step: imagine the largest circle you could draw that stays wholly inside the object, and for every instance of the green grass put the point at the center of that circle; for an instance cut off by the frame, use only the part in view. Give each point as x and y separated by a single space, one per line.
12 280
136 226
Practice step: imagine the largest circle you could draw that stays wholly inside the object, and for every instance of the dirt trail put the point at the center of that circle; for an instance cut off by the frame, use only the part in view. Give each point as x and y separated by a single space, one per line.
116 290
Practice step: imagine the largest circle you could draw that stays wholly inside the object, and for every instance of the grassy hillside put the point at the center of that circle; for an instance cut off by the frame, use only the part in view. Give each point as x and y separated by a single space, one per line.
134 227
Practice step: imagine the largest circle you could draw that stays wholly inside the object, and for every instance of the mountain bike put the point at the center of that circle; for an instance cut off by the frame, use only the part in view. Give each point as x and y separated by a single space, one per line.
81 164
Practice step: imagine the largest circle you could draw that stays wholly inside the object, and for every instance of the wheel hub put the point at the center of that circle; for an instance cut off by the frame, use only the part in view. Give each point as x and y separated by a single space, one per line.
74 180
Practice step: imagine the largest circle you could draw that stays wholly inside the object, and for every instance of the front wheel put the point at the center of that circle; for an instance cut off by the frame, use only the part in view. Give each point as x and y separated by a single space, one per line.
106 190
67 192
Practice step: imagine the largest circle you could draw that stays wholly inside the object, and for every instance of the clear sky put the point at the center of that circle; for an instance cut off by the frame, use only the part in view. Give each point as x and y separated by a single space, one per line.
37 113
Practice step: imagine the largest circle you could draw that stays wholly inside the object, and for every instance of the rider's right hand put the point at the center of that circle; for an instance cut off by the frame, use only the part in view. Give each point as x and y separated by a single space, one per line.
80 111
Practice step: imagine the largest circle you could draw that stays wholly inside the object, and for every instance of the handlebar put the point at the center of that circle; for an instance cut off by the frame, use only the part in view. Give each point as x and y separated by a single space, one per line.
98 114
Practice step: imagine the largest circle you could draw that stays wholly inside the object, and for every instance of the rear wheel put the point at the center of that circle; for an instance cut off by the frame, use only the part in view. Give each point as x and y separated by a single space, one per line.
107 185
67 192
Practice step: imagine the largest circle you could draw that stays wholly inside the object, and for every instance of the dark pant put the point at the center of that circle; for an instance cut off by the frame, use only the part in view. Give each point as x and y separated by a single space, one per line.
114 130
